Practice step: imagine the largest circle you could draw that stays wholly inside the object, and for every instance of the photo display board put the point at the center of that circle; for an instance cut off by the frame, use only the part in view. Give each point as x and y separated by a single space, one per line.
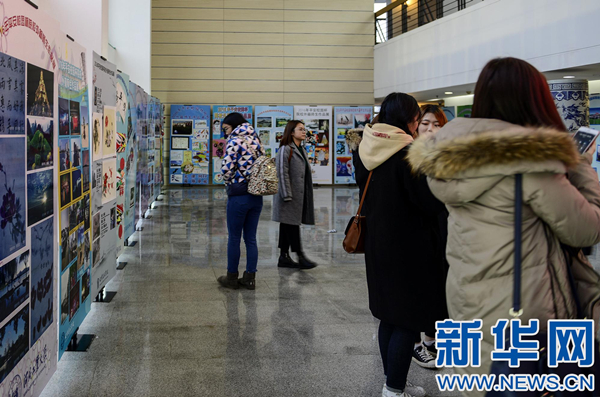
131 151
123 130
158 160
190 127
219 142
29 71
318 143
347 118
143 148
75 194
104 173
269 124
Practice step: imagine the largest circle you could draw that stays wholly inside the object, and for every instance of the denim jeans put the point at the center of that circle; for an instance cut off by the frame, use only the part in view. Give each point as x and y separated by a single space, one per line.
243 213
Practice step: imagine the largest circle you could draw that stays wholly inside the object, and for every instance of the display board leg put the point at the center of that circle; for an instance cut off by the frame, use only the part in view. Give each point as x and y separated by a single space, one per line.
148 217
80 343
140 229
121 265
158 199
131 244
105 296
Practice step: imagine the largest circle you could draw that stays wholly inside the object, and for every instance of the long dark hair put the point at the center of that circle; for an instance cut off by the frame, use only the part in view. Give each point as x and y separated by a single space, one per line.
399 109
512 90
234 120
287 133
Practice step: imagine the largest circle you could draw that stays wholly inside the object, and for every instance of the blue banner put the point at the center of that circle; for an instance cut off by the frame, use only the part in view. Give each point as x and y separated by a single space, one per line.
191 165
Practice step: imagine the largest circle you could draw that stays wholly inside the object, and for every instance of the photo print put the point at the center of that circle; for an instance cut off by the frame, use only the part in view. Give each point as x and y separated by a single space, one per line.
40 134
182 127
65 190
324 125
14 284
64 155
64 297
341 133
96 252
12 93
14 342
74 300
113 218
13 228
86 211
96 226
278 136
85 176
63 117
77 184
72 247
344 166
340 148
40 196
109 146
109 180
344 119
322 139
180 143
85 127
76 151
75 118
281 122
322 156
80 248
40 92
361 120
176 158
86 285
42 297
264 122
264 136
97 139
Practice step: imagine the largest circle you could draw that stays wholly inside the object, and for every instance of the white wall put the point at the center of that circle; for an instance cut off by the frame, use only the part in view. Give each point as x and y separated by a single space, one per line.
129 32
550 34
80 19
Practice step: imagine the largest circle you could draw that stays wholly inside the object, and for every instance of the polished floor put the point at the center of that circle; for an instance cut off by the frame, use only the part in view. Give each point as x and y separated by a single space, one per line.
171 331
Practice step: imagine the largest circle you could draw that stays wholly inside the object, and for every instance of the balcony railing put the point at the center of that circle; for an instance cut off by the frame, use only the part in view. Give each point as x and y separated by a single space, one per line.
402 16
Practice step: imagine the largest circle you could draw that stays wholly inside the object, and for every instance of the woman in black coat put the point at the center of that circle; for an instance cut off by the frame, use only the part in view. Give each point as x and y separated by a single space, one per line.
404 246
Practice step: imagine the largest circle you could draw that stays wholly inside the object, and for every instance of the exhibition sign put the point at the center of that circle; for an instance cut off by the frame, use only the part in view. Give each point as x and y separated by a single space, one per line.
269 124
104 173
218 139
190 128
74 198
29 71
318 143
347 118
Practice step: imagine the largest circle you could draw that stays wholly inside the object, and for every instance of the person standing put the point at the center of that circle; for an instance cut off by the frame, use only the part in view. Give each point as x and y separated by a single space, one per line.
403 246
293 205
243 209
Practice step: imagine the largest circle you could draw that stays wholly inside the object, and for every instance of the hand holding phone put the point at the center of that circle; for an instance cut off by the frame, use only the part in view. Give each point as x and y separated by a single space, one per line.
585 138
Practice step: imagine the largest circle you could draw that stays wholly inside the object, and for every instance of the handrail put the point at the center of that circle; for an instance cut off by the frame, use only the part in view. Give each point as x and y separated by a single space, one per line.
389 7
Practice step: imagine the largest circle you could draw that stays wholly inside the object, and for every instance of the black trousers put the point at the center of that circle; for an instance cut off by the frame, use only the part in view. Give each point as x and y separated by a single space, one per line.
289 236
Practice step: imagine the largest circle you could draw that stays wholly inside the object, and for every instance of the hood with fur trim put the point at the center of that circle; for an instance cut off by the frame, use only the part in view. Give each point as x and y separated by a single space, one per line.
473 148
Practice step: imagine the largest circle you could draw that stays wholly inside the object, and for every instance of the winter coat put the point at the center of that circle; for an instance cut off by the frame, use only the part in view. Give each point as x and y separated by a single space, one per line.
404 246
294 203
239 158
471 164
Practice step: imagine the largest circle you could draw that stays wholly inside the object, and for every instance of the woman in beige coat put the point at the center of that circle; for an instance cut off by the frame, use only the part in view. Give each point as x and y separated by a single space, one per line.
471 164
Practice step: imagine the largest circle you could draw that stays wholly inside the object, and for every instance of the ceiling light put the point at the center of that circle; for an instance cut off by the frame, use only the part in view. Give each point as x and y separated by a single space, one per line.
568 77
448 93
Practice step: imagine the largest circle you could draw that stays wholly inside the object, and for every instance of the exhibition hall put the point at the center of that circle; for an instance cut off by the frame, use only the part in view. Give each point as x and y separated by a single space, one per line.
299 198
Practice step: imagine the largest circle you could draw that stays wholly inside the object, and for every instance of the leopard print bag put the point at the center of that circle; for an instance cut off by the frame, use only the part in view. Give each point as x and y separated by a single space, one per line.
262 180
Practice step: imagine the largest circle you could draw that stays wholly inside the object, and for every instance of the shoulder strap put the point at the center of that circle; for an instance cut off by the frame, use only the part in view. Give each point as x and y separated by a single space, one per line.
362 200
516 310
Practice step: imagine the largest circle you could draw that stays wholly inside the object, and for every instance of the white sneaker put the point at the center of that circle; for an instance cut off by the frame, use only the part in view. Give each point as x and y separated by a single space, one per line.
410 390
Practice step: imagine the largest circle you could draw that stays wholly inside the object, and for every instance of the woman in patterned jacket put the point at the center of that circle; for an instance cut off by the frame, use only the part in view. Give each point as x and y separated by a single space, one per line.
243 209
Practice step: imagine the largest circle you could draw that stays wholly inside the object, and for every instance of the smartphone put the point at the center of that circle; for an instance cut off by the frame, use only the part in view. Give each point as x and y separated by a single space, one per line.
584 138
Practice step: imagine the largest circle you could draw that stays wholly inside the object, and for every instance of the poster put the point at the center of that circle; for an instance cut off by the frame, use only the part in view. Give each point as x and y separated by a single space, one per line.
319 142
464 111
28 190
104 180
158 134
74 174
347 118
190 132
450 112
270 123
122 119
131 151
218 141
595 124
143 148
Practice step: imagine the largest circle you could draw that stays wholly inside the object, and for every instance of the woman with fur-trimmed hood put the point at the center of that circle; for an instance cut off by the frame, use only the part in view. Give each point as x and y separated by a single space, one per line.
404 247
471 165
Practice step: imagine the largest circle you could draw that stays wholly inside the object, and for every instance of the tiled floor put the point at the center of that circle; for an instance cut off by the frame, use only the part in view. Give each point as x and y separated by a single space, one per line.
171 331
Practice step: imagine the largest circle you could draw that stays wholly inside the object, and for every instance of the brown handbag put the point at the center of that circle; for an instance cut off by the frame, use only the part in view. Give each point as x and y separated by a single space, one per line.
354 242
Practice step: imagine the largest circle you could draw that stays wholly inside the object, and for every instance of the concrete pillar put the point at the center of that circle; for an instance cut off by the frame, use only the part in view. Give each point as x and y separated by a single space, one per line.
572 101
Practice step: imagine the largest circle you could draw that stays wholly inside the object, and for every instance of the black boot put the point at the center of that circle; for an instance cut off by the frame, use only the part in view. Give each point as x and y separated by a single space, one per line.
285 260
304 262
230 280
248 280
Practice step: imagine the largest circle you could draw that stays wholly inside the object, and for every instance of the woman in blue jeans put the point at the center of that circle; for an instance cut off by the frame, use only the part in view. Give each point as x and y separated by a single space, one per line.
243 209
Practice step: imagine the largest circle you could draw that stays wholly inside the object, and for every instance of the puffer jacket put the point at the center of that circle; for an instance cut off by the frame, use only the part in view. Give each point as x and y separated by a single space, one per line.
471 164
239 159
